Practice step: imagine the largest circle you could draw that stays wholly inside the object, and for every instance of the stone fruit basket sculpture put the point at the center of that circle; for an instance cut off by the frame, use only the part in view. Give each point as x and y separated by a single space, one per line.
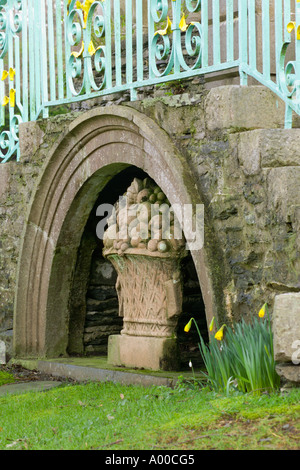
144 246
147 222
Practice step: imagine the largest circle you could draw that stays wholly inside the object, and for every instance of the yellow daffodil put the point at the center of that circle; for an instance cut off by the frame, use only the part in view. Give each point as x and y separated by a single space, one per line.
219 335
211 325
262 311
188 326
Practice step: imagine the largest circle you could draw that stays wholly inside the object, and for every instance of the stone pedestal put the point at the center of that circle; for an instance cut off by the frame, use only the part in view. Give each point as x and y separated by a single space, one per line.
150 301
143 352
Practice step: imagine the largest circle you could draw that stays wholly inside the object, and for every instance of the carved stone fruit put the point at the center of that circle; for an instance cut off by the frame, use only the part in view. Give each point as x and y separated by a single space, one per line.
143 195
124 246
135 242
152 245
163 247
160 196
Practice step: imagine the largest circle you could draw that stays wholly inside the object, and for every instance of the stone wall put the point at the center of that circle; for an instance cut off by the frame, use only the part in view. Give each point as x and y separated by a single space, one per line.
102 308
247 170
249 179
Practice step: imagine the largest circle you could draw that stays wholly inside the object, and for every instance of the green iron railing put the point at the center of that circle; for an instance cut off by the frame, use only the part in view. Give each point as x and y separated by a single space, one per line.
55 52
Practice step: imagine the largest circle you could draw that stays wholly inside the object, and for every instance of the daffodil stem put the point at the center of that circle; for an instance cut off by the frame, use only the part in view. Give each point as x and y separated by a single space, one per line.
196 327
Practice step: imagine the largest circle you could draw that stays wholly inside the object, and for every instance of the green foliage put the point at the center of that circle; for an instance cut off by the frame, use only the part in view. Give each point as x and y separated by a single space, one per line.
6 378
243 360
108 416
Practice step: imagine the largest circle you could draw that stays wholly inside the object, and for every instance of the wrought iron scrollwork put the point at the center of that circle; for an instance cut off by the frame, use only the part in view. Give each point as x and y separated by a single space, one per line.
11 113
289 85
287 72
167 46
86 32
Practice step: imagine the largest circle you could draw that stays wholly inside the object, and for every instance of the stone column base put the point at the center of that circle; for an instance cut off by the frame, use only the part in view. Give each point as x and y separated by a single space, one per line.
143 352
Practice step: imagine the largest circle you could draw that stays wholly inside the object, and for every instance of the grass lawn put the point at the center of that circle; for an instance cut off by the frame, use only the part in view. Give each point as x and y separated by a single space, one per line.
108 416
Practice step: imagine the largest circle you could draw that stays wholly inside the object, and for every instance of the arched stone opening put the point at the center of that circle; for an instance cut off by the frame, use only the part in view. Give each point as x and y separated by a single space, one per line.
93 149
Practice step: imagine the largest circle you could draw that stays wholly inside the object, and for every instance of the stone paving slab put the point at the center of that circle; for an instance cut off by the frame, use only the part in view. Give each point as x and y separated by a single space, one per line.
82 374
25 387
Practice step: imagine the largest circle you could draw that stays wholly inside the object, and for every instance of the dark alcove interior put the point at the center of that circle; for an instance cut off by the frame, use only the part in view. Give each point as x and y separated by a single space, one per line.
93 305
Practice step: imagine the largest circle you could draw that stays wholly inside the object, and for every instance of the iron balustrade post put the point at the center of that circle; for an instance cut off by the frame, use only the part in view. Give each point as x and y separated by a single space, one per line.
243 39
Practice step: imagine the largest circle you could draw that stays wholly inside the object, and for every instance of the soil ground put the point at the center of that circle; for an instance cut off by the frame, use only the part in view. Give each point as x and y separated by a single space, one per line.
25 375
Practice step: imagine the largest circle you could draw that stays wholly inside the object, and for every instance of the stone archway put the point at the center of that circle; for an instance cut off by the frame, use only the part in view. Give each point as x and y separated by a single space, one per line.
95 147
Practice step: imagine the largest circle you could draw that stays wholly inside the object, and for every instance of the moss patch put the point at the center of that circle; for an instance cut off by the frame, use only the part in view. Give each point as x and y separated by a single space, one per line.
6 378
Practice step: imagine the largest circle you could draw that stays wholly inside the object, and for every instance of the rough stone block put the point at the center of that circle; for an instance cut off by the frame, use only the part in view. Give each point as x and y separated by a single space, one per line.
283 190
268 148
286 327
5 176
31 137
238 107
249 154
279 147
2 353
143 352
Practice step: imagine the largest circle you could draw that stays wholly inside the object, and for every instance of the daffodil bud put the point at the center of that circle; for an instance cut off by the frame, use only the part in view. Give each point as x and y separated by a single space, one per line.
188 326
211 325
262 311
219 335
